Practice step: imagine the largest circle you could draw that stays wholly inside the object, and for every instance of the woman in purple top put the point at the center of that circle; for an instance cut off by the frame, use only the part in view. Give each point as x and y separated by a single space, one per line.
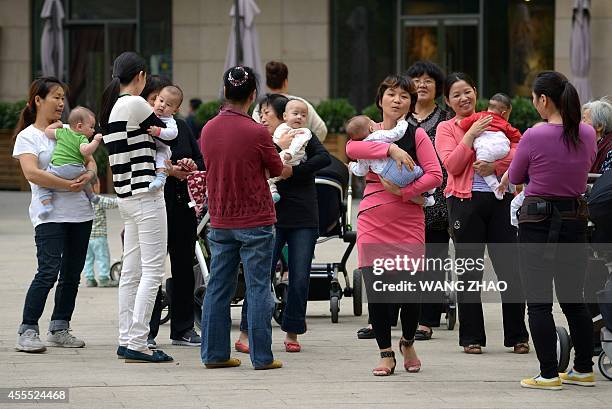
555 157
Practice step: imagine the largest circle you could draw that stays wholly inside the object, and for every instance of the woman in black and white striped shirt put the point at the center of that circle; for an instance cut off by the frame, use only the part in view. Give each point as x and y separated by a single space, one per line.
125 118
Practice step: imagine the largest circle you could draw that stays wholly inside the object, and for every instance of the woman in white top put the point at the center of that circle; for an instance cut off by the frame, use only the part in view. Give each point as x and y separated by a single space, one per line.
125 118
62 238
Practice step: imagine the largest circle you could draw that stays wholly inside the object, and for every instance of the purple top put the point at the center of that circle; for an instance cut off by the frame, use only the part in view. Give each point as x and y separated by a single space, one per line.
553 168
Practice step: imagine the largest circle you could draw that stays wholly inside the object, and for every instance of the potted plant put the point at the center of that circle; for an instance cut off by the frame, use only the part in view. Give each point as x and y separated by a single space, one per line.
11 177
335 113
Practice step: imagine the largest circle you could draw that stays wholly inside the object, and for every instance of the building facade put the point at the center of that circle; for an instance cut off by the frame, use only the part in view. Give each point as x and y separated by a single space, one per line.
334 48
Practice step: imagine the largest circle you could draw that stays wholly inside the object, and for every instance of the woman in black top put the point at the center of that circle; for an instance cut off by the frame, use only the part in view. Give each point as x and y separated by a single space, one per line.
182 226
297 226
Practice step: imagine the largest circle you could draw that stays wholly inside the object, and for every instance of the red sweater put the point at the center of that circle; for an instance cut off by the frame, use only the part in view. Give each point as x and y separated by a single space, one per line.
498 123
237 151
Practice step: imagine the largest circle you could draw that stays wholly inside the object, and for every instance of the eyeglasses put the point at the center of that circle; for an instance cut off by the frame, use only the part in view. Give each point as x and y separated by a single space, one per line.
427 82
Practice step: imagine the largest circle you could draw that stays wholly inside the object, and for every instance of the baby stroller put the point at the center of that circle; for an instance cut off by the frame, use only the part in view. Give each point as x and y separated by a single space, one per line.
334 197
599 233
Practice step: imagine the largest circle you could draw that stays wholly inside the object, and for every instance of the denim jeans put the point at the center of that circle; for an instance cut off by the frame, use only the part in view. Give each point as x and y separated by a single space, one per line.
98 253
144 265
301 244
228 247
60 250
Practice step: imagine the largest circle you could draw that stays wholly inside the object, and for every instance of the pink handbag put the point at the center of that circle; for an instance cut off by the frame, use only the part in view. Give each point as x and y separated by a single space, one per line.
196 186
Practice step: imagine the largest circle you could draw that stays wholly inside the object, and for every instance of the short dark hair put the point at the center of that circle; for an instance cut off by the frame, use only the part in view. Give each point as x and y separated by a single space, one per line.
195 103
277 102
155 83
276 74
423 67
240 82
456 77
397 81
501 98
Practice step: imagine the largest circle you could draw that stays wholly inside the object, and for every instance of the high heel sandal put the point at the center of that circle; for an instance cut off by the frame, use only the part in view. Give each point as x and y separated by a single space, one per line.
411 365
383 370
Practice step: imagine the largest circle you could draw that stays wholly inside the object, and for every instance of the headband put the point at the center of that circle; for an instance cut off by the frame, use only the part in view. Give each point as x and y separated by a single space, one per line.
235 82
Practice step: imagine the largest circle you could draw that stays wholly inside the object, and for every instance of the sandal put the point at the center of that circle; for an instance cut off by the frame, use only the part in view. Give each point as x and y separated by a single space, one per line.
411 365
366 333
521 348
422 335
240 347
473 349
383 370
292 346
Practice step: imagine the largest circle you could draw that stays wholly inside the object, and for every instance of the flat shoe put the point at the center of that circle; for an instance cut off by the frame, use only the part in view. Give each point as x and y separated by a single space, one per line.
473 349
240 347
158 356
230 363
292 347
521 348
275 364
366 333
421 335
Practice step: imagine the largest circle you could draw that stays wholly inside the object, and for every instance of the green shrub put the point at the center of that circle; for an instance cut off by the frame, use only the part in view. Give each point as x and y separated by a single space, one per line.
482 104
9 113
207 111
335 113
524 114
373 113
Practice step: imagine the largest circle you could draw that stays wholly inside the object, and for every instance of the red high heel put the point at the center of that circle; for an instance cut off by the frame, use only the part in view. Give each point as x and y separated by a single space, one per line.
383 370
411 365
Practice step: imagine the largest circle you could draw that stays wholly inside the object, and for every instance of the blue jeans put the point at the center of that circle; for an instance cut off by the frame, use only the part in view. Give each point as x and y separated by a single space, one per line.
98 253
301 244
228 247
60 250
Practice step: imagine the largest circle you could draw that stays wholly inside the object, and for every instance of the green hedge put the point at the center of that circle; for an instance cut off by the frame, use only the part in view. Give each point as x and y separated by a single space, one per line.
207 111
372 112
335 113
9 113
523 115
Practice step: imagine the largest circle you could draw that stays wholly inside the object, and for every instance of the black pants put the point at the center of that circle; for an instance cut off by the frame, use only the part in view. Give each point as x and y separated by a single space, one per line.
60 249
182 225
568 271
481 220
436 246
383 315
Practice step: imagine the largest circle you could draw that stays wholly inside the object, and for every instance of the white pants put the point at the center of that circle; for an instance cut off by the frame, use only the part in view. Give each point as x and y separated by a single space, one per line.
144 258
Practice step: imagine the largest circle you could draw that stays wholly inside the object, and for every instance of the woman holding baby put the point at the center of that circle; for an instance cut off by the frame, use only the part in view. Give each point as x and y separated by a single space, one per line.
390 218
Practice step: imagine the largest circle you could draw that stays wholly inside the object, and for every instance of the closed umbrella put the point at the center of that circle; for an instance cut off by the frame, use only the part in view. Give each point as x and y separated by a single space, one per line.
243 49
580 48
52 41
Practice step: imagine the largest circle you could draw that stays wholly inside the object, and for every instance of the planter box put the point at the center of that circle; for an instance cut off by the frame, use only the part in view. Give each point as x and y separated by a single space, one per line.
335 143
11 177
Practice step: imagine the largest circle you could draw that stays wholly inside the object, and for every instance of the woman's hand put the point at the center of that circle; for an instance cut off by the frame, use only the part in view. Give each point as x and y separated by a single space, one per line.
390 187
285 140
400 157
176 171
484 168
187 164
76 185
476 129
287 172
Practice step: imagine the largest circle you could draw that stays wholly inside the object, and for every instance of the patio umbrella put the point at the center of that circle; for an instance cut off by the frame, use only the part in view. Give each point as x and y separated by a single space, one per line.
52 41
243 46
580 48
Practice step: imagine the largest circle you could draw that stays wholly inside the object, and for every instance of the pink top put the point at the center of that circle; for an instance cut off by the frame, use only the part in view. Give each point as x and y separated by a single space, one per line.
458 159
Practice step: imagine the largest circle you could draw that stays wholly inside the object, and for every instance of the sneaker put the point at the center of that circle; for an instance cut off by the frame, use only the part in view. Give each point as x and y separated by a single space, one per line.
189 338
63 338
578 378
91 283
107 282
29 341
537 382
151 344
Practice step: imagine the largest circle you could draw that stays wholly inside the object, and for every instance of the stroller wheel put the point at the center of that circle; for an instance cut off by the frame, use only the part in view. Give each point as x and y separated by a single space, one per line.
165 315
280 291
357 295
115 270
605 365
564 346
334 307
451 316
198 298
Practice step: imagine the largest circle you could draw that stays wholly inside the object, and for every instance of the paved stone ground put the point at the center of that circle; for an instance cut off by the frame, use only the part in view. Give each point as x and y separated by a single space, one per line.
332 371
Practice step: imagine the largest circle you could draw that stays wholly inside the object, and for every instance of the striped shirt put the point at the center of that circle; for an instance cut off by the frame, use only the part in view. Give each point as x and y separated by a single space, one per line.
98 229
131 150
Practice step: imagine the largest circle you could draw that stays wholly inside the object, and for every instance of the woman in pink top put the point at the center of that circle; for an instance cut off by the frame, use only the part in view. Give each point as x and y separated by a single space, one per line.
477 218
389 219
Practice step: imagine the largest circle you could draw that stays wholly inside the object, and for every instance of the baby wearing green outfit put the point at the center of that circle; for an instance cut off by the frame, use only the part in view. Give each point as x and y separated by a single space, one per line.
70 153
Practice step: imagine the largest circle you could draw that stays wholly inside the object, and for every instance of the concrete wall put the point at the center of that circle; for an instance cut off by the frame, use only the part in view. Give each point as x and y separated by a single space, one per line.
15 44
293 31
601 43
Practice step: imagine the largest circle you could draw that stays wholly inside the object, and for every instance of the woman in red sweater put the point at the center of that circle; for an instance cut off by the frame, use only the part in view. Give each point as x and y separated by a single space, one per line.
389 220
477 218
237 153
